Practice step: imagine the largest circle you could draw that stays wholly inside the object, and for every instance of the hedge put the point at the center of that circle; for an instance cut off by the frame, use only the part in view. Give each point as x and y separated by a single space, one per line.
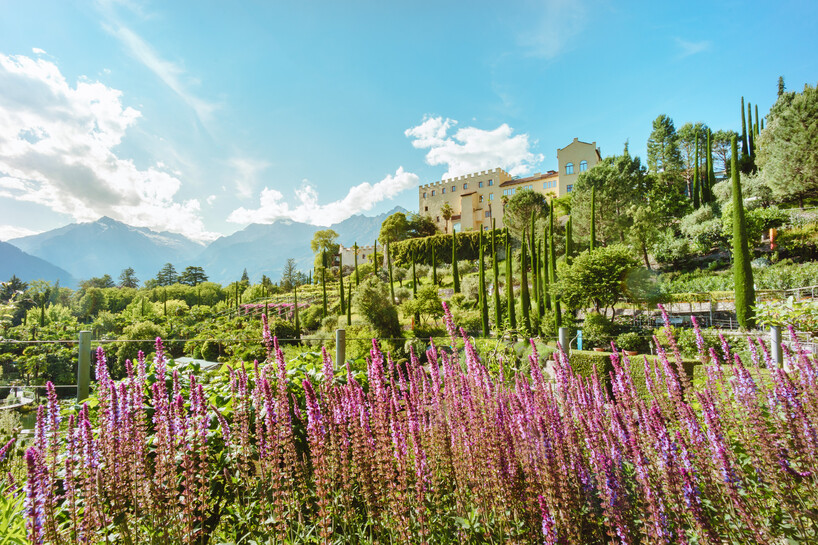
467 247
583 362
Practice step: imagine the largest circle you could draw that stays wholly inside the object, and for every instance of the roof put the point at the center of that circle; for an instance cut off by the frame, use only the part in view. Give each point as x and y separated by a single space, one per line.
467 194
536 177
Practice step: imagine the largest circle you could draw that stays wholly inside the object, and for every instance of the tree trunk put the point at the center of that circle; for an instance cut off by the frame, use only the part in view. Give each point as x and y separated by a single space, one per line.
645 256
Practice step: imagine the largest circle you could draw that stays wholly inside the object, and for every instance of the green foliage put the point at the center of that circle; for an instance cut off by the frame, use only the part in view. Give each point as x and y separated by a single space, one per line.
803 315
801 242
12 519
663 147
426 304
129 350
520 207
597 331
467 248
672 249
631 340
742 272
371 301
598 278
167 275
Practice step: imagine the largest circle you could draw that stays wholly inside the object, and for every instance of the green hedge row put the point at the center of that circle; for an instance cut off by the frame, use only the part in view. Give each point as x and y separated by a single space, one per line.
583 363
467 247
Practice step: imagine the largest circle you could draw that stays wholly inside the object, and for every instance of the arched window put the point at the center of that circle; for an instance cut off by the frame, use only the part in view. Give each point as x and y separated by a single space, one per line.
569 168
583 166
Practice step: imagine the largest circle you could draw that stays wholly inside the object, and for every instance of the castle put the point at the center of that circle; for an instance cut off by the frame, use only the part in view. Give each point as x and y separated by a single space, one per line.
477 198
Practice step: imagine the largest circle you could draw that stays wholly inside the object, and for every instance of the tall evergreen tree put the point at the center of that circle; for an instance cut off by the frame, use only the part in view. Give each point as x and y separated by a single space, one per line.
357 278
524 298
593 218
756 124
324 281
512 318
349 304
552 266
569 240
295 312
781 87
546 260
535 277
496 273
484 303
742 272
750 132
744 145
455 275
434 266
711 171
341 282
375 258
542 275
414 287
388 251
696 177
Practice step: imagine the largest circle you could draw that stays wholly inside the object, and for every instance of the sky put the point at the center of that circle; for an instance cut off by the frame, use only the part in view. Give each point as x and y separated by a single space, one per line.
203 117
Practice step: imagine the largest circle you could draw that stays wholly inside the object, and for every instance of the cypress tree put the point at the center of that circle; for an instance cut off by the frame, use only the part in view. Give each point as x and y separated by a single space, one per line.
512 318
742 272
455 275
552 267
349 304
526 302
542 276
593 218
535 277
341 282
324 280
375 258
389 266
711 173
569 240
496 273
546 260
484 303
434 266
414 286
357 278
696 177
744 147
757 123
295 311
750 136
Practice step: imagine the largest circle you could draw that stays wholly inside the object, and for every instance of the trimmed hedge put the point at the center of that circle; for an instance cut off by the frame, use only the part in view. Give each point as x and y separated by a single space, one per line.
583 363
467 247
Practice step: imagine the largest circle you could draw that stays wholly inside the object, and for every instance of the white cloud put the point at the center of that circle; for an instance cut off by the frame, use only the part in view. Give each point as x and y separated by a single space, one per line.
211 199
57 149
8 232
38 51
360 198
470 149
691 48
557 23
246 174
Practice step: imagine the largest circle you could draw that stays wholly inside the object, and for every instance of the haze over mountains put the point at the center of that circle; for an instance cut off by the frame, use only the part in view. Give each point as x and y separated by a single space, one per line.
83 250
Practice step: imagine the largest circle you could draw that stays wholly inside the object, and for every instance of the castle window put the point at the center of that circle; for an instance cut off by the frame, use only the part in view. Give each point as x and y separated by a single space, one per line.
569 187
569 168
465 186
480 199
443 191
491 196
424 194
479 184
433 193
454 188
583 166
488 213
437 219
491 182
425 208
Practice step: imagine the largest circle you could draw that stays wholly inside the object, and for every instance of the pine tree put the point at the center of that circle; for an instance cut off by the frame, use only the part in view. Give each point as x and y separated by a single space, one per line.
711 173
552 267
357 278
341 282
389 266
295 311
593 218
455 275
742 272
781 87
756 125
526 302
324 281
696 177
512 318
496 272
750 135
484 303
744 146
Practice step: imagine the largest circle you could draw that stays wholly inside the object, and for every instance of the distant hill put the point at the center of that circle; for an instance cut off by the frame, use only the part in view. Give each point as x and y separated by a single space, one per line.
107 246
14 261
264 249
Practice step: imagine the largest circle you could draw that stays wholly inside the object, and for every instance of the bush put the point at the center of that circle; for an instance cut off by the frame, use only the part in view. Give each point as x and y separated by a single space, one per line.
597 331
686 340
631 341
371 301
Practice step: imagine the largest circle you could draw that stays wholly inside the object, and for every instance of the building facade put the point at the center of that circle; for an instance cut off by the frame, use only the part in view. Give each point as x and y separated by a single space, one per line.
475 199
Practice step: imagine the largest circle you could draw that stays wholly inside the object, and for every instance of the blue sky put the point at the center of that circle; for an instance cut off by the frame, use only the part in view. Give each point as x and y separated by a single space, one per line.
201 117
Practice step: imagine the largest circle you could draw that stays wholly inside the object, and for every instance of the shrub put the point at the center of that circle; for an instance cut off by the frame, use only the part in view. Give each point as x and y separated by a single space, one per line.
597 331
371 301
630 340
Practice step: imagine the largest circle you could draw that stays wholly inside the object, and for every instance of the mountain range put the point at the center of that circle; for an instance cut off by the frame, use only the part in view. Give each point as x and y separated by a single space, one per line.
106 246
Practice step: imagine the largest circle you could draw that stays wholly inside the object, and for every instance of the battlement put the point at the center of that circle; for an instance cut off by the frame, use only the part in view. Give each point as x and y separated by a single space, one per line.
462 178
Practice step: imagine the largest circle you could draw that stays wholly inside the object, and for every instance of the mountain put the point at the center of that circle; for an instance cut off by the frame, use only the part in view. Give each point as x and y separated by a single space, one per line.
14 261
107 246
264 249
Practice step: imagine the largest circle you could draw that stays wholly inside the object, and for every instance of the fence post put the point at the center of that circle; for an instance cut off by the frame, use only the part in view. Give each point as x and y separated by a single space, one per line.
775 341
84 366
564 342
340 346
